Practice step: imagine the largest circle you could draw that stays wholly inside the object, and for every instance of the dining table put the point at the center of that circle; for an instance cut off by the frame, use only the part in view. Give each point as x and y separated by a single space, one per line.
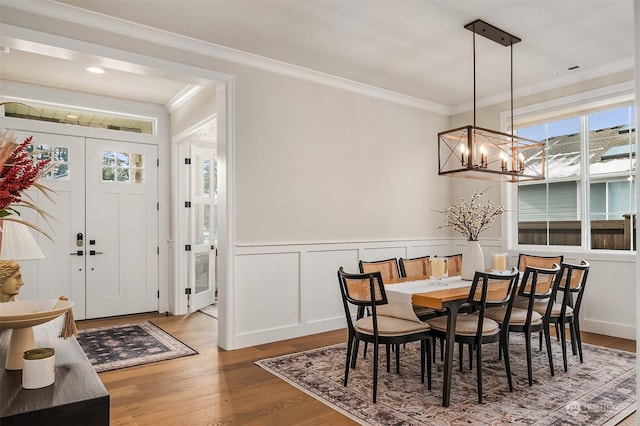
446 294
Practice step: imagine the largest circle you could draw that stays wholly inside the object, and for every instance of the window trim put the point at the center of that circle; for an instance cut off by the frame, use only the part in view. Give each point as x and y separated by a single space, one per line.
572 105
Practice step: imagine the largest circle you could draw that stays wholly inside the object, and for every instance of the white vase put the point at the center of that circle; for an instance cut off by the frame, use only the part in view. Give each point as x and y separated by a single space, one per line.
472 260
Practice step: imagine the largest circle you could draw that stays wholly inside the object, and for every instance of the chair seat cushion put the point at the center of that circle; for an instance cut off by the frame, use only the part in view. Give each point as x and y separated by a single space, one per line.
390 326
555 310
540 306
518 316
466 325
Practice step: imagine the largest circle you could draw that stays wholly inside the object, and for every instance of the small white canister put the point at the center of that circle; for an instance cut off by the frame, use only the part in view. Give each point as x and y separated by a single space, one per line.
38 368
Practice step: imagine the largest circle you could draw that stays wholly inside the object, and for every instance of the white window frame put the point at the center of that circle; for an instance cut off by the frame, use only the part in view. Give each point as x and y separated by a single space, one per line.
572 105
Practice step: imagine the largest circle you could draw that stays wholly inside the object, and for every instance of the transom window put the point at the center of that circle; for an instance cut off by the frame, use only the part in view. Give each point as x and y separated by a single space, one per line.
588 198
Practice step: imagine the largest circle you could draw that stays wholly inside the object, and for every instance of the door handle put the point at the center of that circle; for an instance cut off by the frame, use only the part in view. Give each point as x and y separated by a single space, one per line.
93 252
77 253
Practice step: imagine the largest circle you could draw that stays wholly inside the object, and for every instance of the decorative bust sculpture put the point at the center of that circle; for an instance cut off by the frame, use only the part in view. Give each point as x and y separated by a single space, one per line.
10 280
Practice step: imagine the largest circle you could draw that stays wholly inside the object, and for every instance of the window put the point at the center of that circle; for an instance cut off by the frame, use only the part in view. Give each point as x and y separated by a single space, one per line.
59 156
122 167
589 157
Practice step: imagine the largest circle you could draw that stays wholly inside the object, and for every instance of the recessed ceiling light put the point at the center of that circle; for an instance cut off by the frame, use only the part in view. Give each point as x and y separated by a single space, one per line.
72 117
95 70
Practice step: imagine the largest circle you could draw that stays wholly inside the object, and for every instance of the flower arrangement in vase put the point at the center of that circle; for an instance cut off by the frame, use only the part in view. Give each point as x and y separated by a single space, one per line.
470 219
20 170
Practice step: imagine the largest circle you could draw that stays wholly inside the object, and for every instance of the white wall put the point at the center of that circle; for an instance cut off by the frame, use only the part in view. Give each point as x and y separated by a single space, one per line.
324 176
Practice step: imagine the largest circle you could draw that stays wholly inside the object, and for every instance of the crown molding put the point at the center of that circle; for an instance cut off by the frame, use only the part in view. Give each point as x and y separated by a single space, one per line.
563 81
63 12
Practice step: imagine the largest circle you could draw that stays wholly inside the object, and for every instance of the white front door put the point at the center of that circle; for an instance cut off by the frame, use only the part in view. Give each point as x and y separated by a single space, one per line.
122 228
203 227
103 253
62 271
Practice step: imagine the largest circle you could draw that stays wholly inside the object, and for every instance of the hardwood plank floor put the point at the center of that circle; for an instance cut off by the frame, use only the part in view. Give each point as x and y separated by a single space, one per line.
218 387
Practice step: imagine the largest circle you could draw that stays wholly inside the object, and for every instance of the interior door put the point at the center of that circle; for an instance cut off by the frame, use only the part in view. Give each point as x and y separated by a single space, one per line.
122 228
202 227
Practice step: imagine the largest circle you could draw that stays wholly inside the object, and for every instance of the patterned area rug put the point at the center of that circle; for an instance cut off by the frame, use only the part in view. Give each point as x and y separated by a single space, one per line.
111 348
600 391
211 310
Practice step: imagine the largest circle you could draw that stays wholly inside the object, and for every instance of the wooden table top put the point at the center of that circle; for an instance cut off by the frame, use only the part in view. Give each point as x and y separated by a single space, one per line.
434 299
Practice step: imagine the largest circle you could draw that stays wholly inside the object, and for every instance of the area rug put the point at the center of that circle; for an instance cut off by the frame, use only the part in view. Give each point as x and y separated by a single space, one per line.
211 310
128 345
601 391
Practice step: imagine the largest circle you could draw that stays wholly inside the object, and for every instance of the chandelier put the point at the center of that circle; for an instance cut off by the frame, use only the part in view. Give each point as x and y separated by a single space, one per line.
476 152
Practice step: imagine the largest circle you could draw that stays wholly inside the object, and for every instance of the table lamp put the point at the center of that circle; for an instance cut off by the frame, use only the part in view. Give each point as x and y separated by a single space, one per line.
17 243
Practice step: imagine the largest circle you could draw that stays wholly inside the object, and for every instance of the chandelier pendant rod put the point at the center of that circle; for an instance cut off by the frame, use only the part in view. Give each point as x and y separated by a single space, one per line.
474 77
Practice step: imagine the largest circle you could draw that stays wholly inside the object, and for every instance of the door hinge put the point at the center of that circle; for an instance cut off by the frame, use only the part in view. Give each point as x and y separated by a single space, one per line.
158 294
158 206
157 162
187 204
187 161
158 250
187 290
187 247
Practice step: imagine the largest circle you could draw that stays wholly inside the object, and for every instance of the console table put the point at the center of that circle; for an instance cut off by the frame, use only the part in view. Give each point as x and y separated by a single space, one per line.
77 396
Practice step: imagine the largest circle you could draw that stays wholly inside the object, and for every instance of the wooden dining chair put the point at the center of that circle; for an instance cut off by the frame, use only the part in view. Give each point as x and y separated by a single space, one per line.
546 262
367 291
418 267
415 267
388 268
454 265
536 285
488 291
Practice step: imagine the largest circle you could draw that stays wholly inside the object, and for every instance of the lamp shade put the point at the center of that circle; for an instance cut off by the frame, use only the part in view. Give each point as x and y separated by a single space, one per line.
17 243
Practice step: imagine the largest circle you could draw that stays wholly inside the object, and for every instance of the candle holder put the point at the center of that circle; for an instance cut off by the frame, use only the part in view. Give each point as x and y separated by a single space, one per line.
499 262
438 269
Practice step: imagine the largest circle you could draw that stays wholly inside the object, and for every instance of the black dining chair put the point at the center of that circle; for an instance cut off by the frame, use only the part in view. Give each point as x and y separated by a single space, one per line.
488 291
536 285
388 269
570 281
367 291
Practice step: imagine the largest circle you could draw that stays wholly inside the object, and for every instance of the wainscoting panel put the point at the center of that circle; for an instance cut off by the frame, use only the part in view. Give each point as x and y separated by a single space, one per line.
321 294
609 305
284 291
267 292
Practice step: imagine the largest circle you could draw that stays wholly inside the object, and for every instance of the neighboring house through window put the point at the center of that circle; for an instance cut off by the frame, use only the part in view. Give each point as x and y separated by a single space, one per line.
588 196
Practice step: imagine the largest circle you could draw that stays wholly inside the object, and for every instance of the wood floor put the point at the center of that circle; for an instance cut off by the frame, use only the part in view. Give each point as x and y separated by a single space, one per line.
218 387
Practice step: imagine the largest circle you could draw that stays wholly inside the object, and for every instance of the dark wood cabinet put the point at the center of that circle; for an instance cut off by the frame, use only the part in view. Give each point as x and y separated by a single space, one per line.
77 397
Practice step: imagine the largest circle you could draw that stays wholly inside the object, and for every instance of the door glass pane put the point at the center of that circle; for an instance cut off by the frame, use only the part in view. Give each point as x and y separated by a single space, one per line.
123 175
122 167
108 158
123 159
108 174
202 221
202 272
206 178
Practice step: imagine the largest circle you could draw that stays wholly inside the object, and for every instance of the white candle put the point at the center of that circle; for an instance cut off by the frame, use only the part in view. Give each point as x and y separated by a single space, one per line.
438 267
500 262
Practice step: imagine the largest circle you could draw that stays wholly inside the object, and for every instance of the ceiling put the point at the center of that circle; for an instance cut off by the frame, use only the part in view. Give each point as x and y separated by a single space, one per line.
414 48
